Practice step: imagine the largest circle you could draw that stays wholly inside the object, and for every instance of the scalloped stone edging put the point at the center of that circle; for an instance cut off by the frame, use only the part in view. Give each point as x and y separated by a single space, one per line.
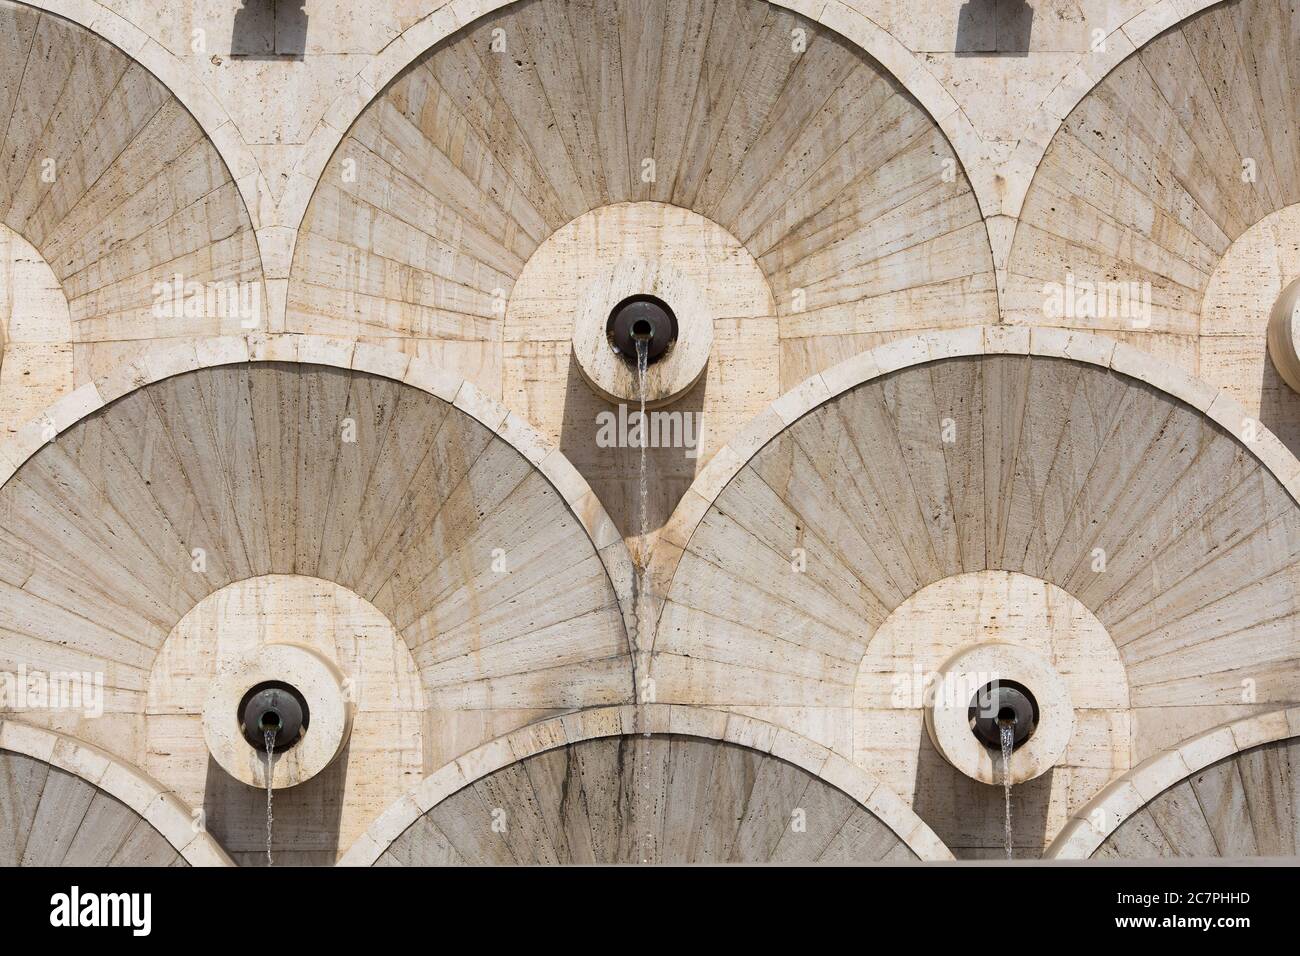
1090 825
164 810
173 357
882 46
652 718
1045 342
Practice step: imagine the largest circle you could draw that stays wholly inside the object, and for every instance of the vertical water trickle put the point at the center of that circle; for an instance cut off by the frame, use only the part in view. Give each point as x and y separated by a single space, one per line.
1007 736
270 758
643 483
643 572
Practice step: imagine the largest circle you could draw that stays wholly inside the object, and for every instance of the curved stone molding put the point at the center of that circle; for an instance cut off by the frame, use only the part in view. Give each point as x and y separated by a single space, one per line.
880 504
614 378
122 191
1097 350
898 679
1175 152
948 721
839 199
172 72
487 566
390 731
36 350
741 377
166 359
1117 46
1096 820
569 285
650 719
908 69
162 809
1247 328
329 705
1284 335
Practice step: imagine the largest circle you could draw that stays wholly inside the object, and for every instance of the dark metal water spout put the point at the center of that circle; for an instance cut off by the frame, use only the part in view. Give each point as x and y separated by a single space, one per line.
273 715
999 705
642 319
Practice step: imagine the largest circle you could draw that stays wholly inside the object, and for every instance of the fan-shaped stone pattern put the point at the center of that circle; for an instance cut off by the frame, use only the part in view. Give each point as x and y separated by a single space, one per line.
1053 465
635 799
1178 151
1243 806
113 181
49 817
135 514
836 180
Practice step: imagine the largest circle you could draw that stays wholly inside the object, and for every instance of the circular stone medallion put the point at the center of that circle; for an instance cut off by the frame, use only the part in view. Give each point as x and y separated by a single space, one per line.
950 716
315 680
613 375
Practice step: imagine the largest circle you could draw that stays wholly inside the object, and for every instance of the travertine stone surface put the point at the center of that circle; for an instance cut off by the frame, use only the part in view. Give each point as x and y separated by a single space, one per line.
324 693
1243 292
838 184
639 799
958 682
1283 336
739 380
63 802
117 186
36 366
648 720
275 123
390 722
869 168
50 817
1228 792
969 610
1052 464
118 527
1242 806
1178 152
617 379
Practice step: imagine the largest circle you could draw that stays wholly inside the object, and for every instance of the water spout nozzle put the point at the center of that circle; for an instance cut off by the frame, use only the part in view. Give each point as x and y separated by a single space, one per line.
644 323
273 712
1003 704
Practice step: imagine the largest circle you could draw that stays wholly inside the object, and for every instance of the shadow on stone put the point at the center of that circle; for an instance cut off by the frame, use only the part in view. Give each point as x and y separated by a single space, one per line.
1279 407
305 831
994 28
270 30
969 816
611 463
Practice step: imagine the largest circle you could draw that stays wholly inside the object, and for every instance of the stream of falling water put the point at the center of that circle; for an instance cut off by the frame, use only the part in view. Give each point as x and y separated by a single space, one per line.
643 483
270 757
643 520
1007 736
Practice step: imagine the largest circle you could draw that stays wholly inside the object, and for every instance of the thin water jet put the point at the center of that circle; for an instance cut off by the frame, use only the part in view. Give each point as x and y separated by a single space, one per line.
1003 716
642 332
273 715
1007 733
269 740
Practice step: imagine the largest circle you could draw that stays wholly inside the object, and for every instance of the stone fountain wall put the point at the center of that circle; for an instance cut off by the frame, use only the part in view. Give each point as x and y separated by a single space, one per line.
868 203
